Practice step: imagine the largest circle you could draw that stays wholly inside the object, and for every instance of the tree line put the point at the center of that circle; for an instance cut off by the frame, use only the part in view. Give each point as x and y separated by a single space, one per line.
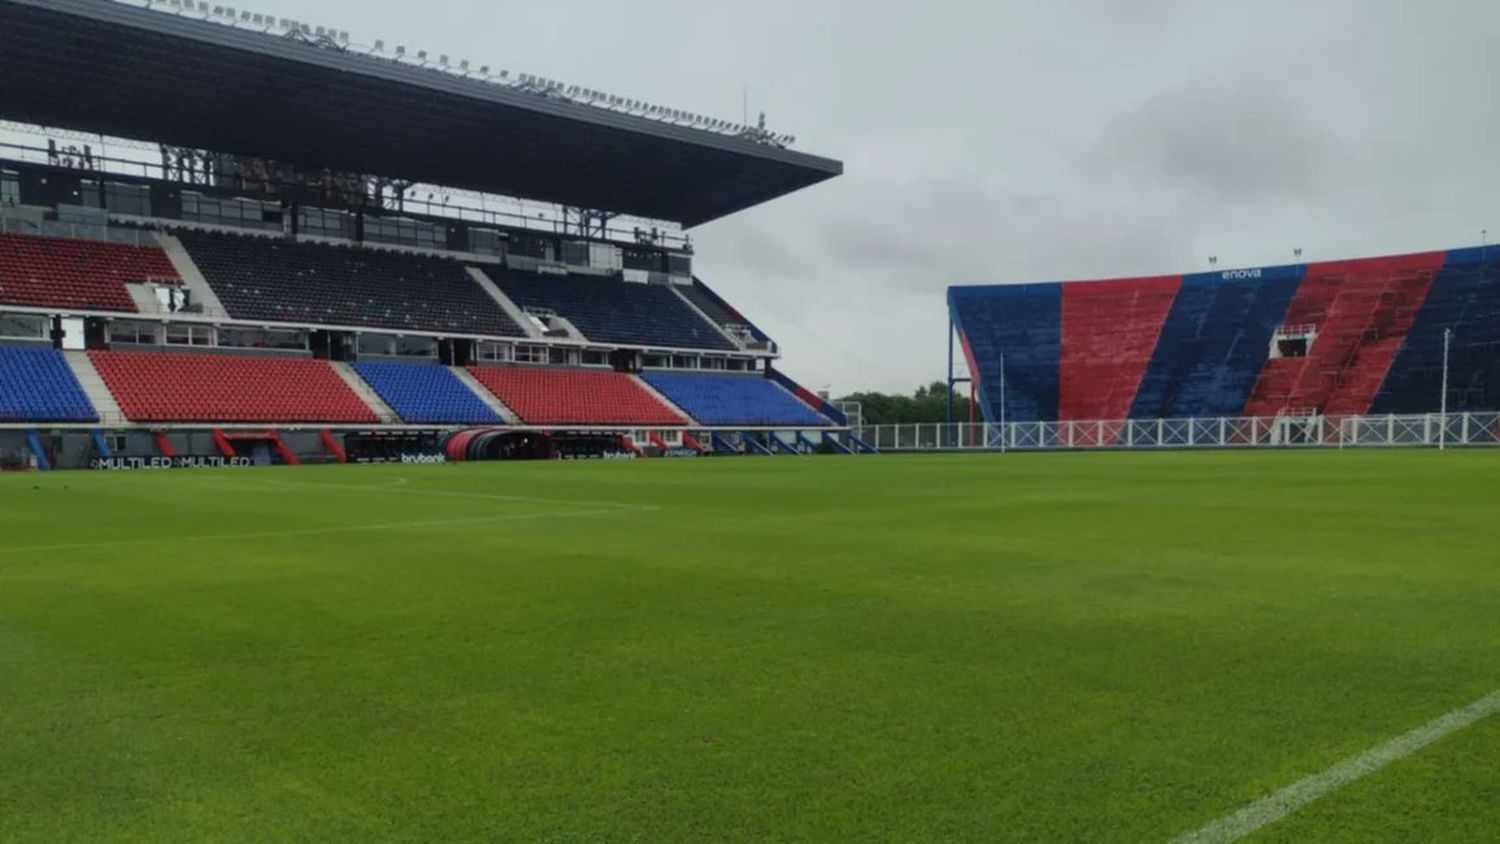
929 403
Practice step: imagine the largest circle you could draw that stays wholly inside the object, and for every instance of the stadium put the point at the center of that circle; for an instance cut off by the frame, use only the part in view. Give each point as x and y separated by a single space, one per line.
1205 557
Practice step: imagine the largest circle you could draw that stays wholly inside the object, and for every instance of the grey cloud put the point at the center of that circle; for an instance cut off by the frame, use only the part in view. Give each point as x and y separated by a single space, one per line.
1246 143
1022 141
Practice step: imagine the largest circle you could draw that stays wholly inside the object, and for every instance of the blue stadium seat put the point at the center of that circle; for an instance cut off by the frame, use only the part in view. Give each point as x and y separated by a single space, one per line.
733 399
1214 344
1022 323
426 394
37 385
1466 298
608 310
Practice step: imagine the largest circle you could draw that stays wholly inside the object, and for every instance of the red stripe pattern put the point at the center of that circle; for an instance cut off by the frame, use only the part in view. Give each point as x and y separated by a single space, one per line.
1109 330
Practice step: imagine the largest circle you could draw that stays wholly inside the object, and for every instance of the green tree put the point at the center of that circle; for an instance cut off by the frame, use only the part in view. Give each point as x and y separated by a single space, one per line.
927 404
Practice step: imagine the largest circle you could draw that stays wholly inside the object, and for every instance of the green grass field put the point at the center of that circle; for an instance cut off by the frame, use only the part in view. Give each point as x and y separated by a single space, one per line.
1069 647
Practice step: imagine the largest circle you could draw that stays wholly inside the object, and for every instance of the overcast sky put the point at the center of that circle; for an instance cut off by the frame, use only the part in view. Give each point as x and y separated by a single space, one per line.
989 142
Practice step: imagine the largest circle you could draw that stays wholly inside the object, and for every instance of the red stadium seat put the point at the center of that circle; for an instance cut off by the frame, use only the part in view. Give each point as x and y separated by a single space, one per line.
1362 310
181 387
52 272
552 396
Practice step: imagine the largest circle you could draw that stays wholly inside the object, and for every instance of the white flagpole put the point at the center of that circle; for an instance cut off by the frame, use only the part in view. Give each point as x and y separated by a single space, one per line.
1003 432
1443 429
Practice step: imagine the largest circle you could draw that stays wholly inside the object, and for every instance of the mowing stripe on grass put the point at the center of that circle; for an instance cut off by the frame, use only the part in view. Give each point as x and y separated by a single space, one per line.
1272 808
399 489
277 534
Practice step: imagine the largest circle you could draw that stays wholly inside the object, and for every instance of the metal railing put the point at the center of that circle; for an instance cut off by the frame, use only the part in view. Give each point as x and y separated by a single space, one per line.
17 224
1433 430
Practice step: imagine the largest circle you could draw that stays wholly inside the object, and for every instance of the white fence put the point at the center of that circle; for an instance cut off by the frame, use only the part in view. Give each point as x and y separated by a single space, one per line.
1421 430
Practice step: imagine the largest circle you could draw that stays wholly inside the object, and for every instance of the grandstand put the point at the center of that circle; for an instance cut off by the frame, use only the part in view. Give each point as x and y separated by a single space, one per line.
1340 339
237 276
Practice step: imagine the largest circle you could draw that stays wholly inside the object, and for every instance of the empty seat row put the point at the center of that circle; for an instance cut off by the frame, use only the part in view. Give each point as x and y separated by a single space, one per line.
1109 330
424 394
553 396
287 281
186 387
715 308
37 385
1465 299
1213 345
1362 310
610 310
721 399
54 272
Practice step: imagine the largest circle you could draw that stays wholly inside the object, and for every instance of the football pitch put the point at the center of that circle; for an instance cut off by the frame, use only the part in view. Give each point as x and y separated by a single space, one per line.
1040 647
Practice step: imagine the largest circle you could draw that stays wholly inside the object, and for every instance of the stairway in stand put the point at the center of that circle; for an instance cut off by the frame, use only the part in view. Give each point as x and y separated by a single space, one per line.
1363 310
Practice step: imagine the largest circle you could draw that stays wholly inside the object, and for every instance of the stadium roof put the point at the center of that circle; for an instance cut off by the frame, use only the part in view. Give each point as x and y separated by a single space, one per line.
101 66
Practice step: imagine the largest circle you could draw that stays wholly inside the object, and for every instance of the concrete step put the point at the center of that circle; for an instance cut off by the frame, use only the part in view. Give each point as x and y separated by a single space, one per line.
663 399
366 392
733 340
94 387
515 313
489 398
199 292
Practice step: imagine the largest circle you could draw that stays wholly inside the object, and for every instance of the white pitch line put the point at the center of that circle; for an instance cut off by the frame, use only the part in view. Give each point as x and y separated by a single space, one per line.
1274 807
277 534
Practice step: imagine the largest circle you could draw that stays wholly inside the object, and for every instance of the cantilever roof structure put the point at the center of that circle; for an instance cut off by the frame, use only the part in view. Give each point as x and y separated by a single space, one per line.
100 66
